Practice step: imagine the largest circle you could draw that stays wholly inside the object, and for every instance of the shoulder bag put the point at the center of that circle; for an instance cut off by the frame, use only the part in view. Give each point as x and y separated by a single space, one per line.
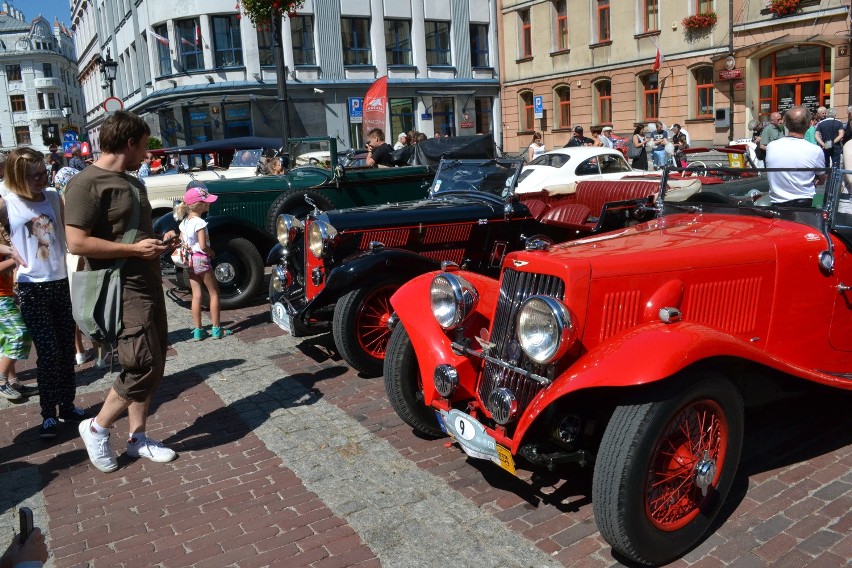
96 295
633 151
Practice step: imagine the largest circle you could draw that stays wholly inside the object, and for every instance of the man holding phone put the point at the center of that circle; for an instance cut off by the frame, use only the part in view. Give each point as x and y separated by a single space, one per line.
27 549
379 152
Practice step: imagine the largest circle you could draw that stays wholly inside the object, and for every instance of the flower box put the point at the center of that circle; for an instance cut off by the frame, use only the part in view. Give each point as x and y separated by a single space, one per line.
700 21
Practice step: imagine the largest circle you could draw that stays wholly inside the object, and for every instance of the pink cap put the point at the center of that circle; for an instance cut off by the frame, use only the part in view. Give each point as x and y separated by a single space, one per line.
197 195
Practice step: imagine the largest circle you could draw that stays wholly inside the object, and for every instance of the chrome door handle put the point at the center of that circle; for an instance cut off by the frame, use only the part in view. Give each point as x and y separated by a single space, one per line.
843 288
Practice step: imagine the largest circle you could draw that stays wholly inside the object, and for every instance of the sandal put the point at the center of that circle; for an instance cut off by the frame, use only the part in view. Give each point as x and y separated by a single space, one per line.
219 333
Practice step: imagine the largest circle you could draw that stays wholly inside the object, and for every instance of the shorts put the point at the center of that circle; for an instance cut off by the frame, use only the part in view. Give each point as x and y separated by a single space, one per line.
200 263
142 345
14 338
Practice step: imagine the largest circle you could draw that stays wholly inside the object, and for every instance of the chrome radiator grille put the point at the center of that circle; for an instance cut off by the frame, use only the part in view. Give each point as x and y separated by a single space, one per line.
515 287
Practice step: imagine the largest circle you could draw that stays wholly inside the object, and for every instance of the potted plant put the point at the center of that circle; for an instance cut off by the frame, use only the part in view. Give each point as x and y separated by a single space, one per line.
696 22
783 7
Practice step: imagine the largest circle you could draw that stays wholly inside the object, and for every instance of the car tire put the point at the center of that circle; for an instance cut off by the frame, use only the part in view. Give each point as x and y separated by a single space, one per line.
646 495
293 202
403 385
239 271
360 325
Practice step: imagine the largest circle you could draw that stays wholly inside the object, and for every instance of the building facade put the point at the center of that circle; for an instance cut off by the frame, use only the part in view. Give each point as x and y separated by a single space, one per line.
593 62
199 71
38 77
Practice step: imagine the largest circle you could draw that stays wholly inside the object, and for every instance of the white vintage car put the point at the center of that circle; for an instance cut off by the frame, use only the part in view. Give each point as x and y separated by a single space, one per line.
566 166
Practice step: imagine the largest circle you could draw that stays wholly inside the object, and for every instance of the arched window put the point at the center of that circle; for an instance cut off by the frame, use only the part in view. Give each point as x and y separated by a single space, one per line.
703 91
526 111
603 94
650 97
563 106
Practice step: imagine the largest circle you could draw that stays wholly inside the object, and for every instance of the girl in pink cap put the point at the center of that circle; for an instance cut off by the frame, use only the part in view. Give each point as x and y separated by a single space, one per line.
193 235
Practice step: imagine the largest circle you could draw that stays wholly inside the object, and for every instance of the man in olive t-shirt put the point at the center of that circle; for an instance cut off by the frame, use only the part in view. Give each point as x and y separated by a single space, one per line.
99 205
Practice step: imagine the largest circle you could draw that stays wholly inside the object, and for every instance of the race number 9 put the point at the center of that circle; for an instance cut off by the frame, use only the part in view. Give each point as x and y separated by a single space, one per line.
465 428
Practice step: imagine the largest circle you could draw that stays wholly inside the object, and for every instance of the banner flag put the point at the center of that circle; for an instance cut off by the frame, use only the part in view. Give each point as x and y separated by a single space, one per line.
375 105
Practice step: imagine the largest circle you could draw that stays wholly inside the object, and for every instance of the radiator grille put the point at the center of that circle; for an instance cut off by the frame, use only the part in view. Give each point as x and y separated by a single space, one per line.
514 289
389 238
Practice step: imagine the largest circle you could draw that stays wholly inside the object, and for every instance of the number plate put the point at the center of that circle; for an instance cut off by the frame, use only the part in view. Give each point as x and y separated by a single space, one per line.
472 437
281 318
506 460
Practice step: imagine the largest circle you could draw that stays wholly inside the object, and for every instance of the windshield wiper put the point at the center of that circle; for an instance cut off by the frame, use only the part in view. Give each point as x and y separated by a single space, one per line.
690 208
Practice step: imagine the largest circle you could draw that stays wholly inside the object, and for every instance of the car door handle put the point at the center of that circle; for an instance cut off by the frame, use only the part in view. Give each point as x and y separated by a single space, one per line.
843 288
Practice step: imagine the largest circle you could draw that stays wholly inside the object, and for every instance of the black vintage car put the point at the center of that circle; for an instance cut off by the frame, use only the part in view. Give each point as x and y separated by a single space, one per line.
341 267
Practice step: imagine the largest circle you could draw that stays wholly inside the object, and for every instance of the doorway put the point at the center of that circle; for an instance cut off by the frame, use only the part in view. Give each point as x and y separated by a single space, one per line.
798 75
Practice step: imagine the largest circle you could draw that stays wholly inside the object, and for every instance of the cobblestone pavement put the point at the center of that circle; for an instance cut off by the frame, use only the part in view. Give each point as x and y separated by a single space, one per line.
289 458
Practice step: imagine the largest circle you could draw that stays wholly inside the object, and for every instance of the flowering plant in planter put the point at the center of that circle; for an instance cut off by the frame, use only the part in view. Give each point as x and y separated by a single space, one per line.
699 21
783 7
259 11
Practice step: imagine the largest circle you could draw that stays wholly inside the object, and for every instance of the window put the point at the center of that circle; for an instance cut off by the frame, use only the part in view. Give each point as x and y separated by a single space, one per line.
356 41
265 56
398 42
651 96
650 15
401 117
704 6
526 112
444 115
479 45
18 103
227 43
604 93
563 108
164 57
704 92
22 134
302 33
40 99
525 33
602 20
798 75
47 69
189 38
13 72
51 100
437 43
561 25
482 110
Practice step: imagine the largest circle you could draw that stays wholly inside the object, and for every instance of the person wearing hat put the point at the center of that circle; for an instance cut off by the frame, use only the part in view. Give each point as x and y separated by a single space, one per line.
401 141
578 139
607 137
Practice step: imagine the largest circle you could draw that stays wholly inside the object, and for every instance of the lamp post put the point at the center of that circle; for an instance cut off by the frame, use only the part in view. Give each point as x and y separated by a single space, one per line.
109 69
66 112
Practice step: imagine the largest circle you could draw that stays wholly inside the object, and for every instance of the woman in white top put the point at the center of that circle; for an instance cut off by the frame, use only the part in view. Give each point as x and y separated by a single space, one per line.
34 217
536 148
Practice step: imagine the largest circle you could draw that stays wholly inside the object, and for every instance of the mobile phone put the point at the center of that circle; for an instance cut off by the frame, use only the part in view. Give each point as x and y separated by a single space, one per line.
25 516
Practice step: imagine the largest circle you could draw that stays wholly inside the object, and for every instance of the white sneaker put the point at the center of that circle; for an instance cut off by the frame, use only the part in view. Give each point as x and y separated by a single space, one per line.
81 358
103 362
97 445
151 449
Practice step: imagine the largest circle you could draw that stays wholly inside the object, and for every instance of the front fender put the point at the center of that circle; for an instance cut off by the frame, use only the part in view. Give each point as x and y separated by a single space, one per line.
645 355
218 225
412 305
275 255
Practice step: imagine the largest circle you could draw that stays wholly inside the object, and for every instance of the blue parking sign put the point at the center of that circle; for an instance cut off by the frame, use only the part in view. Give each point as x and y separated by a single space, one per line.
538 106
356 110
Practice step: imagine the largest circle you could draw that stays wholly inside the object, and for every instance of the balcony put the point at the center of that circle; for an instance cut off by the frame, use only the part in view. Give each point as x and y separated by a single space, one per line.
48 83
45 114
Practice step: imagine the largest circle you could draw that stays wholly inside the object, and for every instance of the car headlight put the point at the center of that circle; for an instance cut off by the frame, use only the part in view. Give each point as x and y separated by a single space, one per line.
545 328
453 299
287 229
320 237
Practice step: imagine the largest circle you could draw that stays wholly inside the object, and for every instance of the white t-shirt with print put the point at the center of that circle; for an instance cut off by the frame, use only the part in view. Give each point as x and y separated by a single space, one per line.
38 234
189 228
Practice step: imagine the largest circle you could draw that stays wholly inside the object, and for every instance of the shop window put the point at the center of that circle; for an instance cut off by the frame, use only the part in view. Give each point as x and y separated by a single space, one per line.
189 40
401 117
18 103
703 92
603 92
561 25
650 96
227 42
164 57
444 115
13 72
356 41
479 45
527 111
525 34
603 30
22 135
650 15
563 106
398 42
302 34
482 106
437 43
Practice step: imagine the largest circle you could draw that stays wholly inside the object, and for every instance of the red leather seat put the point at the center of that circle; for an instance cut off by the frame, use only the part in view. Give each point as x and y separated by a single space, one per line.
568 215
536 207
595 194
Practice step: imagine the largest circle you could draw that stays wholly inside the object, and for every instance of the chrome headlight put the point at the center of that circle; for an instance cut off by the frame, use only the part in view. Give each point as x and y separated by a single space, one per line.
320 237
287 229
453 299
545 328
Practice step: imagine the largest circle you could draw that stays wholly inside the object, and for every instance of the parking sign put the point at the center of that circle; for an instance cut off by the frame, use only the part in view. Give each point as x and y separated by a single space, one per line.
538 107
356 110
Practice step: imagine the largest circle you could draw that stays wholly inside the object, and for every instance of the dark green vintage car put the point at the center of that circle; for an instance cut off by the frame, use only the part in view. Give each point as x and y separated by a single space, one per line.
242 220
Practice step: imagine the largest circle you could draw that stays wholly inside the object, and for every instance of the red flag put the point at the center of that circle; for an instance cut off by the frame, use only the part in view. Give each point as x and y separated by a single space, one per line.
375 104
659 59
198 35
158 37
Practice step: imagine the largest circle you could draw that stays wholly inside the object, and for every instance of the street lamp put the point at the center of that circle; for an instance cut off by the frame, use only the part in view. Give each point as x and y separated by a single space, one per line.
109 69
66 112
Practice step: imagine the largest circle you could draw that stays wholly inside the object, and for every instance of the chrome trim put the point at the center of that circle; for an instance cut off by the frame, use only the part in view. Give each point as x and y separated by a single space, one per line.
446 380
536 244
465 298
449 266
460 349
564 323
287 229
670 315
376 246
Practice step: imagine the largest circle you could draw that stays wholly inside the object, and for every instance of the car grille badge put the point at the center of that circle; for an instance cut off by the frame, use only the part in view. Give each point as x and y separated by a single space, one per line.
520 263
482 338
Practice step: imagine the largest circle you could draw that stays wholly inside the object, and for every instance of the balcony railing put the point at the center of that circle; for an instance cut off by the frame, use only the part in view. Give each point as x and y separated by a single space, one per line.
48 83
45 114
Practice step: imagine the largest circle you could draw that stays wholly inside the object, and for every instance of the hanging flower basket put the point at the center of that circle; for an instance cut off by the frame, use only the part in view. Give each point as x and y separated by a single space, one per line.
781 8
259 11
696 22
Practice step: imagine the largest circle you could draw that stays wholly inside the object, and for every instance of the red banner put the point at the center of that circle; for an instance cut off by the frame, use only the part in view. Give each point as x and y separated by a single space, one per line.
375 105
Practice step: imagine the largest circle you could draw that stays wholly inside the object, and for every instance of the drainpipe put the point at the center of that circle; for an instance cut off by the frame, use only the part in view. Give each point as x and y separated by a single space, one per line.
731 82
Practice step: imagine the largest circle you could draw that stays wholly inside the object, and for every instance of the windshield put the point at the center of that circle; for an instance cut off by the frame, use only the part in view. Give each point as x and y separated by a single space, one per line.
246 158
493 177
311 153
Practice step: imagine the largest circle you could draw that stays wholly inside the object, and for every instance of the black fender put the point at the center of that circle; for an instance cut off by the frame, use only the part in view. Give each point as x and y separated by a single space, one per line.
226 224
360 267
275 255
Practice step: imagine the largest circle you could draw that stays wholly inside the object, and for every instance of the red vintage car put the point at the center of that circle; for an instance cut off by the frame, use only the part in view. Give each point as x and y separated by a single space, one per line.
634 353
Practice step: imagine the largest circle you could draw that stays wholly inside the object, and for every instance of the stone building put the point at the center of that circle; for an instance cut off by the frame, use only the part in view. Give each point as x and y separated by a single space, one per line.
593 62
38 78
198 71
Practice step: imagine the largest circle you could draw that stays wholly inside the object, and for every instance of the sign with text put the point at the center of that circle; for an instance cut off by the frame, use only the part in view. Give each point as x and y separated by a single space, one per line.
538 106
356 110
729 74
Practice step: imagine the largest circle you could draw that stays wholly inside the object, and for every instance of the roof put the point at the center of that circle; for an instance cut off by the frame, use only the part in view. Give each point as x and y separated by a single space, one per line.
583 152
10 24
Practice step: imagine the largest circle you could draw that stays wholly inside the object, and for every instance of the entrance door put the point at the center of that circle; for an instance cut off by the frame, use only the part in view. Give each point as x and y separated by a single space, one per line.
799 75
